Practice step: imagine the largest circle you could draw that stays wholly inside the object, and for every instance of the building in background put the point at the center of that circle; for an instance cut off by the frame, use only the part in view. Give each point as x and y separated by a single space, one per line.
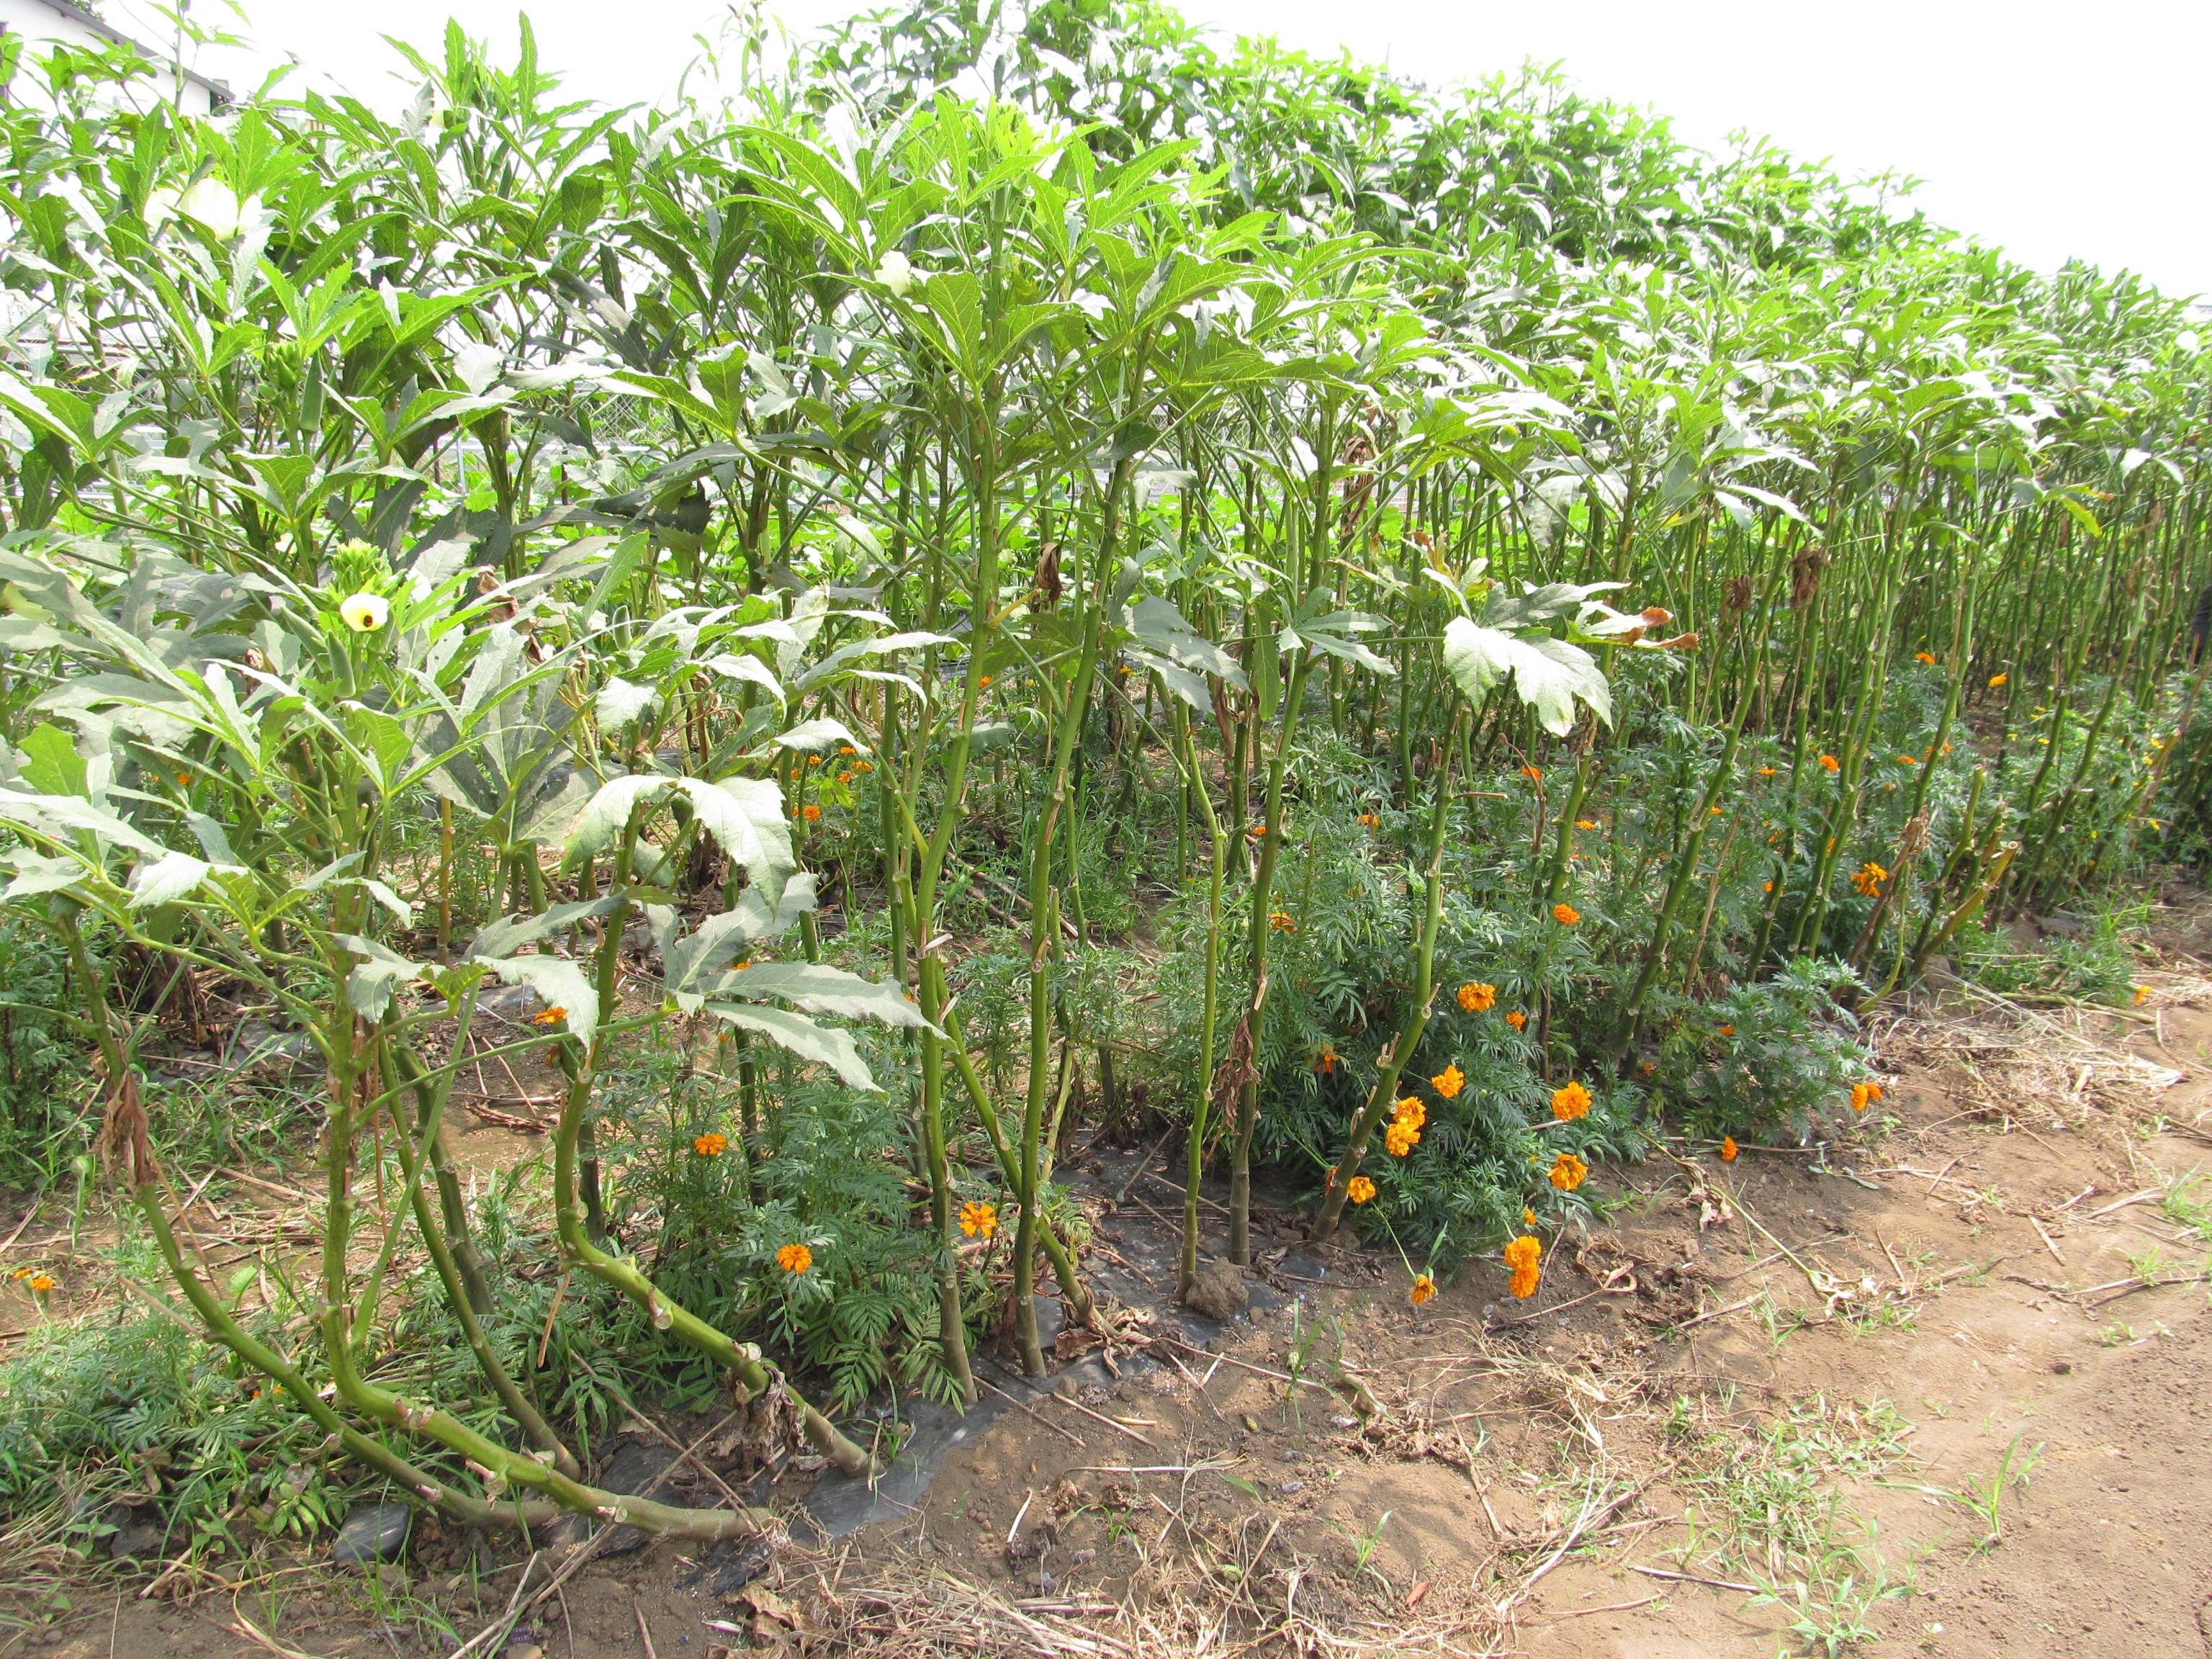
72 25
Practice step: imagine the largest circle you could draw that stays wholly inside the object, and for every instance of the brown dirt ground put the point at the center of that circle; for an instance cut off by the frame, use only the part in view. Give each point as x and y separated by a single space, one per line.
1740 1352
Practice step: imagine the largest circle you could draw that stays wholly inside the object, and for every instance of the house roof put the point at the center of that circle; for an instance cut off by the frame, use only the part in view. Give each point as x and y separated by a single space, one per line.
94 25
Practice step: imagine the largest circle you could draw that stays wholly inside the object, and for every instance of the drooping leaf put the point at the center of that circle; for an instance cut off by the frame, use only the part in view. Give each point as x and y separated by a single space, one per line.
824 1045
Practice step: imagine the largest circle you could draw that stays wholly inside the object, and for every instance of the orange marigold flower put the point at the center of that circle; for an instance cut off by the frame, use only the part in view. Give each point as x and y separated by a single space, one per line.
1727 1030
1371 820
867 766
1528 1217
1282 922
42 1284
22 1272
811 812
979 1220
1870 879
1569 1172
1411 1112
985 680
1996 680
814 760
1908 760
1766 771
1478 998
1522 1255
1571 1102
1533 774
711 1145
550 1017
1399 1138
1585 824
1517 1020
1449 1082
1325 1061
844 777
1565 914
1864 1095
1768 888
1727 1148
1423 1288
1928 657
846 749
1831 762
1360 1190
794 1259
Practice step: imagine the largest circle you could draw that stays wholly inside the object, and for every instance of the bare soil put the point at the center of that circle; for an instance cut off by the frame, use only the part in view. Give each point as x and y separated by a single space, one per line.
1762 1393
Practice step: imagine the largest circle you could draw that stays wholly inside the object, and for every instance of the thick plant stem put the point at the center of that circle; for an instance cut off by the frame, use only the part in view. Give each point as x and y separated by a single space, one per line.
1202 1089
443 1260
430 1103
1074 1293
1263 924
952 1332
1400 1053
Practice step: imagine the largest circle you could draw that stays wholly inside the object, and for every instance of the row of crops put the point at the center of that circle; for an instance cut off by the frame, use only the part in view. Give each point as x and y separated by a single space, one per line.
1425 637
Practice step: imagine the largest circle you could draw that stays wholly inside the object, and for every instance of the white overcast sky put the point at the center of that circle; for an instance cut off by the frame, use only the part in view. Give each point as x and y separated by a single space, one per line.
2053 131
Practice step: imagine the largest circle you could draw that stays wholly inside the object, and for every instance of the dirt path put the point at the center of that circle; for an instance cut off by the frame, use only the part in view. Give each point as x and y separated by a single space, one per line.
1783 1392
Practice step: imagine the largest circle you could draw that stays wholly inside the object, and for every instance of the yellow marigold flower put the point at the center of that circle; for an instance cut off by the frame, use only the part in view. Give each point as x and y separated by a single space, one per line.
41 1284
1996 680
1399 1138
1412 1112
1447 1082
1864 1095
1830 763
550 1017
1423 1288
844 777
1870 879
1727 1148
979 1220
2142 994
1565 914
1528 1217
811 812
1282 922
1360 1190
1571 1102
1478 998
1569 1172
711 1145
1585 824
794 1258
1371 820
365 613
22 1272
1517 1020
